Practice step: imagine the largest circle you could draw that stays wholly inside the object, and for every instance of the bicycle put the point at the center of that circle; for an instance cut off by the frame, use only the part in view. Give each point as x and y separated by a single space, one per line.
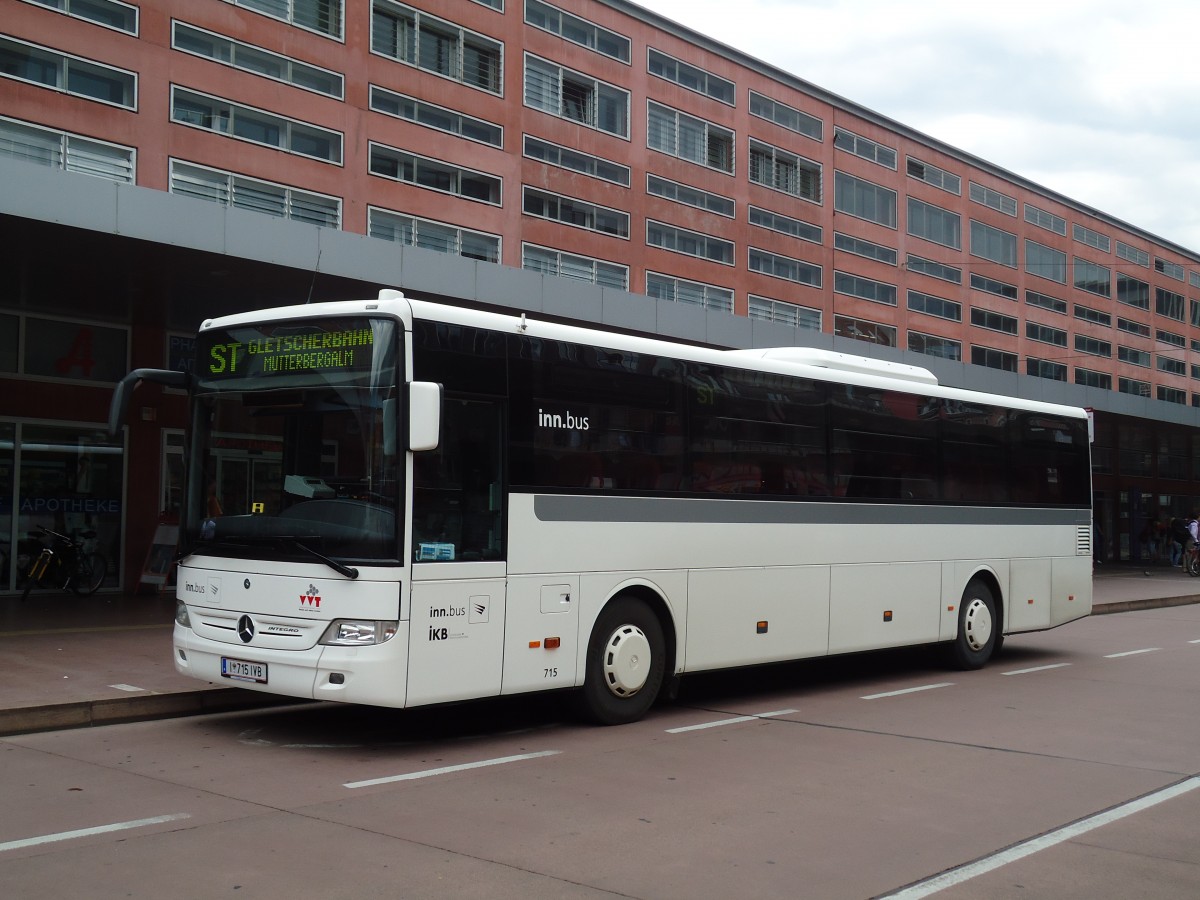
66 565
1191 559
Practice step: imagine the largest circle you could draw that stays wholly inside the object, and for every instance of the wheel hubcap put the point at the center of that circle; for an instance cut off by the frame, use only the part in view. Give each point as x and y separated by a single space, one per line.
977 624
626 661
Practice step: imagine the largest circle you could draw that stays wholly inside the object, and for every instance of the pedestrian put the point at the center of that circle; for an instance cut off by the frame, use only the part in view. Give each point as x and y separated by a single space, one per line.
1177 535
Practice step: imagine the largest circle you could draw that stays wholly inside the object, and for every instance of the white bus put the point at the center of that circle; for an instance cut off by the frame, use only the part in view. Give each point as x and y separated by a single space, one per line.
399 503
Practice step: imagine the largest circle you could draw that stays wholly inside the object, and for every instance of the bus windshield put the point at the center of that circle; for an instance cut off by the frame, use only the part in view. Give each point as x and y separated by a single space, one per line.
294 441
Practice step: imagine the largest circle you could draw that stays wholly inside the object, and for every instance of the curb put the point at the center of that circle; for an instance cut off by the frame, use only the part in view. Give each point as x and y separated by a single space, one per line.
1121 606
120 710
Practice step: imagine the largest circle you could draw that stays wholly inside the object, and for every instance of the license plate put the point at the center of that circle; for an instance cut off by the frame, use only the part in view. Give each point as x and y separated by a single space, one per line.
243 670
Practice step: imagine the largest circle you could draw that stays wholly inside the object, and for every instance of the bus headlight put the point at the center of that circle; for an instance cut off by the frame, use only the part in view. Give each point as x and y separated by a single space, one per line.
181 614
357 633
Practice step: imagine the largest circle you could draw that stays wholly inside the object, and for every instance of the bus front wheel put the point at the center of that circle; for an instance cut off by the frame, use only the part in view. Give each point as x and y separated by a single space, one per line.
978 628
625 663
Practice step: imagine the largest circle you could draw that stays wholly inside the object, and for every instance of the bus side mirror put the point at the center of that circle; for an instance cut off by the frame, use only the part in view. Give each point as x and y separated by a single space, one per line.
424 415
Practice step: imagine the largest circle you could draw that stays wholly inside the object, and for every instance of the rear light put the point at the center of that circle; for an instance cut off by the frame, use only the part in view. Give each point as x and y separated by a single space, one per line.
181 614
357 633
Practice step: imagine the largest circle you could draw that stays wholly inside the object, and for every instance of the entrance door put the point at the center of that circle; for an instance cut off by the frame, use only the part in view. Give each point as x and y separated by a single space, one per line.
459 571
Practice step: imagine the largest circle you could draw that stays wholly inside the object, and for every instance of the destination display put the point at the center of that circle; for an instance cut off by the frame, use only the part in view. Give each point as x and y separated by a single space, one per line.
263 351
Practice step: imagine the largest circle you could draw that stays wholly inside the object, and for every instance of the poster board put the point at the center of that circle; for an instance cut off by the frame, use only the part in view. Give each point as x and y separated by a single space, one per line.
160 558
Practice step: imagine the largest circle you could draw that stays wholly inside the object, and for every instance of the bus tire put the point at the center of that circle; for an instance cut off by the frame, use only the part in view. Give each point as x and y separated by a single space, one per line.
626 661
978 627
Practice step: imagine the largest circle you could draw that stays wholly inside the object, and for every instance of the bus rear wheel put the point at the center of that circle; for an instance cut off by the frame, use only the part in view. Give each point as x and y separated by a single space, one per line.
626 660
978 627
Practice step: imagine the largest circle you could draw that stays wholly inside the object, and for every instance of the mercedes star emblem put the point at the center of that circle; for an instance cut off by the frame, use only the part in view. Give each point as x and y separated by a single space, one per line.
246 629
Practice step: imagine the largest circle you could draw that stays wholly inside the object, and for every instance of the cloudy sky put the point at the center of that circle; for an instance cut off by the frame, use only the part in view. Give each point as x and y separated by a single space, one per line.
1095 99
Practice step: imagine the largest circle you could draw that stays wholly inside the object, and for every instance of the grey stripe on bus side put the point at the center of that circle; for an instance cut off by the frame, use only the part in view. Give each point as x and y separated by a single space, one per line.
584 508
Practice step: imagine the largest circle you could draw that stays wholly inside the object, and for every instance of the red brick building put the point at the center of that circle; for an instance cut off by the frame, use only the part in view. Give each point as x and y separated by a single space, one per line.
584 159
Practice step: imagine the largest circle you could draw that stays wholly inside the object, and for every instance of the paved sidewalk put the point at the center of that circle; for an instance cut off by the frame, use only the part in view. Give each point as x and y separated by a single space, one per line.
69 662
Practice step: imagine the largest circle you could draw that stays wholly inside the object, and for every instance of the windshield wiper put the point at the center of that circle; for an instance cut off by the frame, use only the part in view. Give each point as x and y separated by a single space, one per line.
348 571
286 540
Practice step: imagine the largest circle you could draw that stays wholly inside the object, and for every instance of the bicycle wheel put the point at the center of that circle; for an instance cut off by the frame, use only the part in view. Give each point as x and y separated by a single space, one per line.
33 579
89 574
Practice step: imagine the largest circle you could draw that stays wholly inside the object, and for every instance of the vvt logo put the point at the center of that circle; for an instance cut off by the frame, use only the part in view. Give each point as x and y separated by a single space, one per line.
310 600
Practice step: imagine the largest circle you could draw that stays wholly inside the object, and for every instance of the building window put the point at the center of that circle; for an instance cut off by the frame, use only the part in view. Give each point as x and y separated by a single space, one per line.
570 265
993 321
1169 304
992 243
1171 395
785 116
931 174
783 171
993 359
1133 254
691 293
992 286
69 152
923 266
1195 307
779 266
575 97
321 16
689 196
1093 346
433 174
1090 378
436 117
1168 268
255 126
796 228
864 330
109 13
576 30
1043 219
241 192
1087 314
1093 278
439 236
1171 366
993 199
1092 238
690 77
934 224
67 74
578 213
689 243
864 200
1133 356
418 39
934 306
695 140
249 58
859 247
864 148
1033 298
767 310
1045 334
1133 386
1045 262
932 345
1170 337
1133 292
576 161
1133 327
1040 368
864 288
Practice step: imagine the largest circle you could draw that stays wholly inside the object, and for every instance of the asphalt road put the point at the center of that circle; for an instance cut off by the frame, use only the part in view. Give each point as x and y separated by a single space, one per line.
1070 767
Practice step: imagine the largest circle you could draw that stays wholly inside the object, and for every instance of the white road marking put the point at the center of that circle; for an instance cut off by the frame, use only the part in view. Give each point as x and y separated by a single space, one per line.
133 689
87 832
429 773
1037 844
1132 652
913 690
1036 669
1194 642
733 721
